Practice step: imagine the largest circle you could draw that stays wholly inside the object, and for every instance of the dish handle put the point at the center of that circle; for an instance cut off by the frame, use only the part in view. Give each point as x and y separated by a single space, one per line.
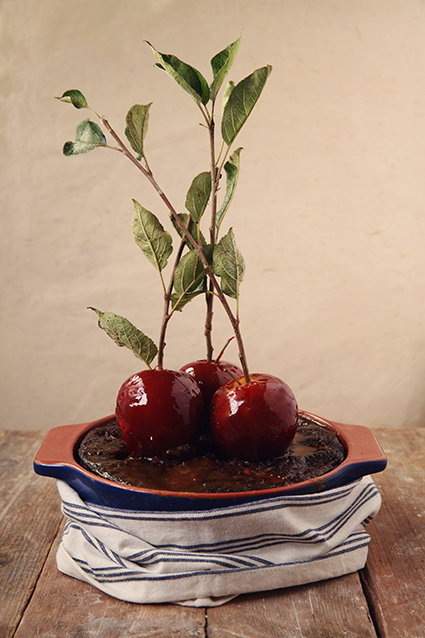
57 447
363 446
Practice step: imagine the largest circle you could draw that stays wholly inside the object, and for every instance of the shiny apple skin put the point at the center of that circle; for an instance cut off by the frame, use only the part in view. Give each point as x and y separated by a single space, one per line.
157 410
211 375
255 420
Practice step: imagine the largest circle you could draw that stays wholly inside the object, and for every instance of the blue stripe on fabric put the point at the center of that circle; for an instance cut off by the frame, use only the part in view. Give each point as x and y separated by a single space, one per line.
139 556
90 521
130 576
269 544
94 542
242 509
110 554
88 515
228 563
338 522
311 536
84 533
254 508
158 557
354 538
265 540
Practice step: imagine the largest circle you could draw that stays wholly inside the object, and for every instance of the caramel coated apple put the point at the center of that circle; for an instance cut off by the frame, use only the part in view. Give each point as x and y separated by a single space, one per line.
158 410
255 420
211 375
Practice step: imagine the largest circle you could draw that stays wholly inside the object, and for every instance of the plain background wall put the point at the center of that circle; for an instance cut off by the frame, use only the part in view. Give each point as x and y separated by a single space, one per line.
329 211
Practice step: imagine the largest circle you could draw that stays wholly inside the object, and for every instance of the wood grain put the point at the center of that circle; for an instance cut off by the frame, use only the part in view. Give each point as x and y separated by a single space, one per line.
330 608
63 606
17 450
394 575
29 523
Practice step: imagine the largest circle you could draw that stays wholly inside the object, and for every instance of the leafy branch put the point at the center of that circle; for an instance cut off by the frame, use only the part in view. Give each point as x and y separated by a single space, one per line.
217 259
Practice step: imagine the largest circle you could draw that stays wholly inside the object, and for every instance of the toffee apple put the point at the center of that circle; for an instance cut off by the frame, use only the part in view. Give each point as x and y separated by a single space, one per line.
211 375
255 419
158 410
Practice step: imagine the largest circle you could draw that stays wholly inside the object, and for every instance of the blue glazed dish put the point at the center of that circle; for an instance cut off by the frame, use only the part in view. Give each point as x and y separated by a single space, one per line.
57 458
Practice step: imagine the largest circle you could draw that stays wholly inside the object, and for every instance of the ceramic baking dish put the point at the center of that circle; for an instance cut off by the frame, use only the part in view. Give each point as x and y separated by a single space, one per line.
57 458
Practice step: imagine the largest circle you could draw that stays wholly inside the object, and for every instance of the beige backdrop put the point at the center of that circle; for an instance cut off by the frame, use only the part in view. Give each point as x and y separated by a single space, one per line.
329 211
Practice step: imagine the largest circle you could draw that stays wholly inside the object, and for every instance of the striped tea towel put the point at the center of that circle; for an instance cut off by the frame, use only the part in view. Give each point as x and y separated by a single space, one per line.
203 558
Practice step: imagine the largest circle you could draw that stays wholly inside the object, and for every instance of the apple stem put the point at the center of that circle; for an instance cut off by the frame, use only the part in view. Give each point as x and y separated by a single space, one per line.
223 349
166 315
209 298
197 247
233 376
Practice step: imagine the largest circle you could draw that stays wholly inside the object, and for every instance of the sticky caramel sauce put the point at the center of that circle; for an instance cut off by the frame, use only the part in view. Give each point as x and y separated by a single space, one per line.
197 468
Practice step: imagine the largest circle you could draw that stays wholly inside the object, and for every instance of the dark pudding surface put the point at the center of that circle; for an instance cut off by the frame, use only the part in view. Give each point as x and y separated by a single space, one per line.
197 468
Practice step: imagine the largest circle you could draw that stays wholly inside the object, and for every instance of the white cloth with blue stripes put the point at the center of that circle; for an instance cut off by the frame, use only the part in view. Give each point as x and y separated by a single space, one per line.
203 558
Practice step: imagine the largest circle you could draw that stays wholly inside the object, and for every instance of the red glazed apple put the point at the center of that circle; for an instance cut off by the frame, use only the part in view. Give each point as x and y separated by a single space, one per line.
211 375
255 420
157 410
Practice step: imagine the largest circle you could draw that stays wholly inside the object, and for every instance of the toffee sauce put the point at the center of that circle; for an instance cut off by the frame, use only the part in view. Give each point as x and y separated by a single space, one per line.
197 467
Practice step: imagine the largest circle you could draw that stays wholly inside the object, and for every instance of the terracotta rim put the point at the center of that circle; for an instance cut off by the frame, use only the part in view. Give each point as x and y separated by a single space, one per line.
60 443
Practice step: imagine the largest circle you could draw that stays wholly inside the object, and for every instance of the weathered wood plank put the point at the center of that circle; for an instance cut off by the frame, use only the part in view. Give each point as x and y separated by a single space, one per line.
394 575
325 609
29 524
17 450
63 606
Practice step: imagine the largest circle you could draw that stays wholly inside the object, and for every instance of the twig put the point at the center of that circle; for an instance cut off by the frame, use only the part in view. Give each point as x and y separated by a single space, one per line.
197 247
166 316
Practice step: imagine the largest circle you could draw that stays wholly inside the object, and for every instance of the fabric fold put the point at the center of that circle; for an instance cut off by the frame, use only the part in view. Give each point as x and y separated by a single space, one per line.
205 558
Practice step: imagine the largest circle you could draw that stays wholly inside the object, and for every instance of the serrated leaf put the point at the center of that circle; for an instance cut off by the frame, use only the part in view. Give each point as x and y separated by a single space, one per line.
151 237
198 195
193 229
124 333
228 264
74 97
189 78
137 126
221 64
88 136
189 278
232 173
241 102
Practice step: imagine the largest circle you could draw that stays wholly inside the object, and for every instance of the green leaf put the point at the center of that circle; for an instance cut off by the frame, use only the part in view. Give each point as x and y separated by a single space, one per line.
229 264
198 195
88 137
151 237
126 334
189 78
241 102
227 91
193 229
137 126
74 97
189 278
232 173
221 64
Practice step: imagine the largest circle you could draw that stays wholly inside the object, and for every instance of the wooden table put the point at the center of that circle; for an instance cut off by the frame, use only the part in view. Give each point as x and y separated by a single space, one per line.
385 599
